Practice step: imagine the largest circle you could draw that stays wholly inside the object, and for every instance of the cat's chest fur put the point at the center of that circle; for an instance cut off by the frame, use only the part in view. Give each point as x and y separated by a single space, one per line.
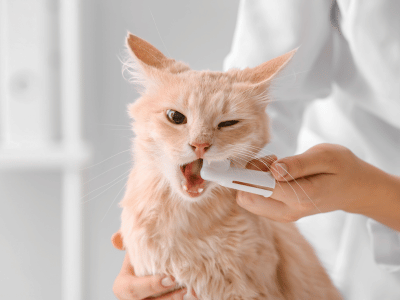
220 253
216 248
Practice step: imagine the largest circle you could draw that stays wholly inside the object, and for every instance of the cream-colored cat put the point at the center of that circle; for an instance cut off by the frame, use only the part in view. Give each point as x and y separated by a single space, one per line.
174 222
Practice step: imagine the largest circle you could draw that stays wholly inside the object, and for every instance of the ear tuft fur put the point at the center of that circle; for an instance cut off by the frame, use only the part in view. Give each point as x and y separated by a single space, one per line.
145 62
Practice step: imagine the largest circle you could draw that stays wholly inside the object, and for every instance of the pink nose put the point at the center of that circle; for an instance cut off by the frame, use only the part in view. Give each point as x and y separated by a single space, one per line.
200 149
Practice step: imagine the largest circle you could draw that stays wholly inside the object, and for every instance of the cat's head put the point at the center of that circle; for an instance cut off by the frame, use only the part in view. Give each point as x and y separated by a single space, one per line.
184 116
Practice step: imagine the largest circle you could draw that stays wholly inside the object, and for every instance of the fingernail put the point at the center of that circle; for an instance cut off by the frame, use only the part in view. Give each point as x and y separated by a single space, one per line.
189 297
167 281
281 168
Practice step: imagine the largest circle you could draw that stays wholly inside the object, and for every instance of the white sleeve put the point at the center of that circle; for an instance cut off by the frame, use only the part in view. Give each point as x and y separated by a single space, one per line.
385 245
268 28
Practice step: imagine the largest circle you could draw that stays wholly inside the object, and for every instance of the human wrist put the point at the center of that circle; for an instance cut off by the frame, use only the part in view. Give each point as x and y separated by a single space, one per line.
382 202
390 214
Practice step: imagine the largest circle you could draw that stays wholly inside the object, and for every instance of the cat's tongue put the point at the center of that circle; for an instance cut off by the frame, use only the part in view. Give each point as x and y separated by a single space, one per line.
194 183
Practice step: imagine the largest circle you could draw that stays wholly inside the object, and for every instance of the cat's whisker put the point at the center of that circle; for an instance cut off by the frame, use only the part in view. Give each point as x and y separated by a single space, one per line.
115 198
117 125
293 179
121 180
309 198
269 167
120 129
118 179
234 159
155 24
277 182
259 152
292 74
105 159
125 136
124 163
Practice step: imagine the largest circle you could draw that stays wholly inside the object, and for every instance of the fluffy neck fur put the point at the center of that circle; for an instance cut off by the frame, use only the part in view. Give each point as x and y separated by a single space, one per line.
159 209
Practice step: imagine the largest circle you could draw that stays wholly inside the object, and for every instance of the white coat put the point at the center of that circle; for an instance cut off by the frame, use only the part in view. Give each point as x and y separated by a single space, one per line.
349 56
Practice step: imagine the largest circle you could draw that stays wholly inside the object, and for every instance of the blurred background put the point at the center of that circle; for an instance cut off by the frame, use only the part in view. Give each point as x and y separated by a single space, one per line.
65 135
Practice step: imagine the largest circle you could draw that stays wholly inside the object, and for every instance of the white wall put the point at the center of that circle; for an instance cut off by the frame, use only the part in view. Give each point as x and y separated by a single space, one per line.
197 32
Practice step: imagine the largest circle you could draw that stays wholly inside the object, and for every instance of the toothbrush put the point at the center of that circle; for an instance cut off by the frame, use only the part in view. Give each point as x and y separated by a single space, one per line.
221 172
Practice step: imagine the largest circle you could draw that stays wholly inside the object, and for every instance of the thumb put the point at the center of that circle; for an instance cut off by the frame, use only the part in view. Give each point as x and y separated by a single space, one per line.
314 161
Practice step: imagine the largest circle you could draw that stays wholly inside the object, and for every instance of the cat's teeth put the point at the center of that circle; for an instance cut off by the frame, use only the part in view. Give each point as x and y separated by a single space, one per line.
200 190
185 187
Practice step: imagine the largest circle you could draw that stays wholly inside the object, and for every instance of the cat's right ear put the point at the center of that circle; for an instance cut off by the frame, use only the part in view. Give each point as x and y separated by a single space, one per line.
144 53
147 63
143 62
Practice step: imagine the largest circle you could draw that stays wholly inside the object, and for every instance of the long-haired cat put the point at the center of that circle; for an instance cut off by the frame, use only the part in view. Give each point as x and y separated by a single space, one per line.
174 222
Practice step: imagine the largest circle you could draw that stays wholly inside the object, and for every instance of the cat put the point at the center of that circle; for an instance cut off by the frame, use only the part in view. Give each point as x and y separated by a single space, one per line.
175 223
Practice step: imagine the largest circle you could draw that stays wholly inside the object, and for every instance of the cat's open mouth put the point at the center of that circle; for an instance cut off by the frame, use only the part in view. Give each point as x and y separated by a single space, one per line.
193 184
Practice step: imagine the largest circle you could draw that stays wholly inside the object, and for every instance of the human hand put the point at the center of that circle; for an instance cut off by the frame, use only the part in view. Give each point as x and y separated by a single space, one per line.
128 286
325 178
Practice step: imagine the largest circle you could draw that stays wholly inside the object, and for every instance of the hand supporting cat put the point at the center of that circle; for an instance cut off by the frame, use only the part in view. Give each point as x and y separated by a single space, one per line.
128 286
326 178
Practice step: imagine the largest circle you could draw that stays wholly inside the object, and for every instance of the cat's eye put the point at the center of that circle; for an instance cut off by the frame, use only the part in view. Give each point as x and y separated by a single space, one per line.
176 117
227 123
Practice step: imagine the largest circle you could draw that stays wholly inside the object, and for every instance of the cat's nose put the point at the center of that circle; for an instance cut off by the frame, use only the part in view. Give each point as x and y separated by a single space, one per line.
200 148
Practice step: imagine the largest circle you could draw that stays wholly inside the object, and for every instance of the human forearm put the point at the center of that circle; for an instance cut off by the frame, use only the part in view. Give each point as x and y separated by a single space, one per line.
384 202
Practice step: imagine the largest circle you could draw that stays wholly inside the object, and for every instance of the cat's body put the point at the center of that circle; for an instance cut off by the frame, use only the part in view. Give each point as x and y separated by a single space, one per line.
203 238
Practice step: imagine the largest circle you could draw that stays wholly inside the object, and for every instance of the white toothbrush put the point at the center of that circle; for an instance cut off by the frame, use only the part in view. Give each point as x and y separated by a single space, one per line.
252 181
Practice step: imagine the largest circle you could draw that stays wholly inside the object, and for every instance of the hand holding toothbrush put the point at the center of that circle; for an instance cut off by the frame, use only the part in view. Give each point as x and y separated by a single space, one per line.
325 178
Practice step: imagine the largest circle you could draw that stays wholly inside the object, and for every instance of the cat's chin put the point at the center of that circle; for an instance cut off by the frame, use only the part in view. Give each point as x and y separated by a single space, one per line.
193 197
195 192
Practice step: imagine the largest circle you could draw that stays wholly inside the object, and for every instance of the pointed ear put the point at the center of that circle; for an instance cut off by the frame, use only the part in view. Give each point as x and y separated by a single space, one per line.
268 70
145 53
148 60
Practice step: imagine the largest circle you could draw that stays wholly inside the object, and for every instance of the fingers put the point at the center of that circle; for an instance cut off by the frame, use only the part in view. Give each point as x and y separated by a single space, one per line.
302 182
322 158
117 241
151 285
176 295
136 288
295 190
127 286
262 206
289 202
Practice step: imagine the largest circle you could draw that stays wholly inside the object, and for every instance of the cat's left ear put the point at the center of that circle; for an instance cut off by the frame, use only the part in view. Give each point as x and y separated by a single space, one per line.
264 73
148 62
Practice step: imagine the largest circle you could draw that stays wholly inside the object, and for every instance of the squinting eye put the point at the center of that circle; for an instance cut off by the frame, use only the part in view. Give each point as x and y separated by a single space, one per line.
176 117
227 123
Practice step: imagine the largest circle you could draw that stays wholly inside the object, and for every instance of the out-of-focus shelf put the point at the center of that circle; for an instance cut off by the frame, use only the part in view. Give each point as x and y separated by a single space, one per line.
51 157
